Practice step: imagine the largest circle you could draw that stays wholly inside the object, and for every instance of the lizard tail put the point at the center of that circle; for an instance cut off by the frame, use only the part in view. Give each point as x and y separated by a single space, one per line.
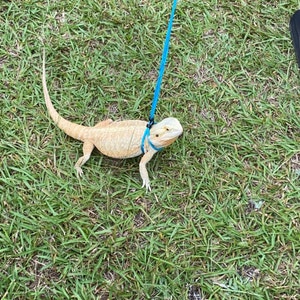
76 131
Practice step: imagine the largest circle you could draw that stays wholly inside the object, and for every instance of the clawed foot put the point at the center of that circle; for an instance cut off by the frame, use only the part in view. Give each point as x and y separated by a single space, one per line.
79 171
146 183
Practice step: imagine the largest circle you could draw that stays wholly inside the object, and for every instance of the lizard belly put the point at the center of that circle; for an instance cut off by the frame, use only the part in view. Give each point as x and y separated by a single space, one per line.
119 148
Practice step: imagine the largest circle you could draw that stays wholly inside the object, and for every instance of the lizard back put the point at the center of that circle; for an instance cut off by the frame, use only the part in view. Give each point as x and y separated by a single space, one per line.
120 139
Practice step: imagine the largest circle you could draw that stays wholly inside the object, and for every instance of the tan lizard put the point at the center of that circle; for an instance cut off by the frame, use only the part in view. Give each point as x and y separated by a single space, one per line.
117 139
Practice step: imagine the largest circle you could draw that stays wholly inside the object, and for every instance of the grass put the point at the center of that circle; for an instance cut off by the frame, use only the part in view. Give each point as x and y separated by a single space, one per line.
222 221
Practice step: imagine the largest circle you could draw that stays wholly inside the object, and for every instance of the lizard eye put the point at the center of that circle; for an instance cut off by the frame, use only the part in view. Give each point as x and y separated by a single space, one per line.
157 135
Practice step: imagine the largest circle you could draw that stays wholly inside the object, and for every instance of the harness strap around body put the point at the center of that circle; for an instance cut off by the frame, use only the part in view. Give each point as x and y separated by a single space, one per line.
146 135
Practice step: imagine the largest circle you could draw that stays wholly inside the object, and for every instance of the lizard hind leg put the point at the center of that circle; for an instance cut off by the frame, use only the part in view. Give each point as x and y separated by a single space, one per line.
87 151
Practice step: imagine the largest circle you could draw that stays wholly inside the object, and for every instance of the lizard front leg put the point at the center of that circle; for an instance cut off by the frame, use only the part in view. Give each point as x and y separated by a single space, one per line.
87 151
143 171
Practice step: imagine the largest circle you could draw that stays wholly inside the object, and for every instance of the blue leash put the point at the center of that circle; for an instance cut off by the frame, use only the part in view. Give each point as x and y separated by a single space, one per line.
159 80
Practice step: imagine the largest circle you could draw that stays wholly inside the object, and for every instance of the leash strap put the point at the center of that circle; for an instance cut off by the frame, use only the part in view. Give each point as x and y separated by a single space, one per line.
159 80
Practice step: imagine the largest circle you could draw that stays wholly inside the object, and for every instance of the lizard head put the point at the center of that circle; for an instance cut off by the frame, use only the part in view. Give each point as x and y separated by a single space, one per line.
165 132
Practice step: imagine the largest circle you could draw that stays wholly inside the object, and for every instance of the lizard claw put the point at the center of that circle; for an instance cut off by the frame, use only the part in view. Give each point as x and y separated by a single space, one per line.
147 185
79 171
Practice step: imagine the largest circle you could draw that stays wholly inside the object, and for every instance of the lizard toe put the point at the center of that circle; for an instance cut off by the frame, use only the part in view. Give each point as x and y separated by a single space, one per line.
146 184
79 171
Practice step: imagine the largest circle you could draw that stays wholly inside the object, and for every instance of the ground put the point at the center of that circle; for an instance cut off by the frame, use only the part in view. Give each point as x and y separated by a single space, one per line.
222 220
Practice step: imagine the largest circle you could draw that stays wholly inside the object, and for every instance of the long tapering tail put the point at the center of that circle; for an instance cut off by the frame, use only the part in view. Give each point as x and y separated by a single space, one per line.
76 131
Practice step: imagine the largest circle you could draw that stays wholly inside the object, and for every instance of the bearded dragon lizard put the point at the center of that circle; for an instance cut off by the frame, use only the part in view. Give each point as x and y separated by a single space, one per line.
116 139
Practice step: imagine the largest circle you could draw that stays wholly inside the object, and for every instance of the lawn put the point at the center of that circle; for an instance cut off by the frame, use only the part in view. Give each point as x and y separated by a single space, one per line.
223 218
